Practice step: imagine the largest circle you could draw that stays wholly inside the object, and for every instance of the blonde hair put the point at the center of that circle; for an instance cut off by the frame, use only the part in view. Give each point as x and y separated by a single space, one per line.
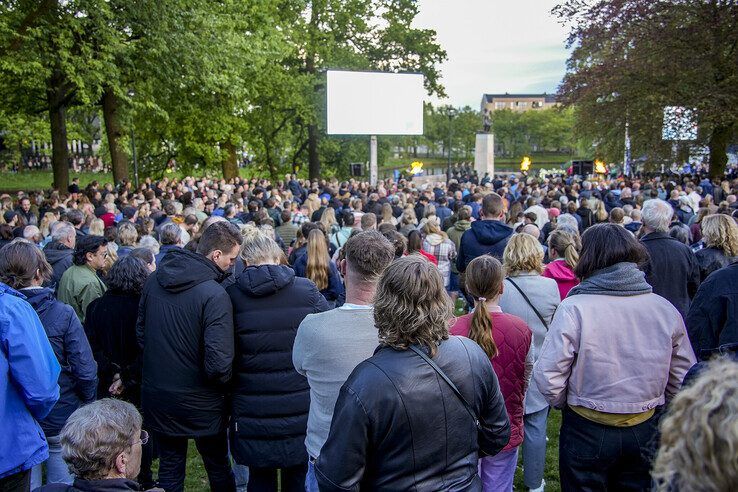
566 245
45 225
483 281
523 253
720 231
433 227
127 234
317 259
328 218
411 305
387 215
258 248
699 435
600 211
97 227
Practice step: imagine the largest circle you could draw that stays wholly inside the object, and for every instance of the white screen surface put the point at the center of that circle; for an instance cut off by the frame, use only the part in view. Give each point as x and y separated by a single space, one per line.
372 103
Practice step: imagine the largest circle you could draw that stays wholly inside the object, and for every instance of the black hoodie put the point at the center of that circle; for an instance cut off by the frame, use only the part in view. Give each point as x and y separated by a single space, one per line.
59 257
185 327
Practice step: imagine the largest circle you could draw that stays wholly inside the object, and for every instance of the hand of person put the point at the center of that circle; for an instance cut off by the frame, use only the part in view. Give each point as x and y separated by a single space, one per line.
117 387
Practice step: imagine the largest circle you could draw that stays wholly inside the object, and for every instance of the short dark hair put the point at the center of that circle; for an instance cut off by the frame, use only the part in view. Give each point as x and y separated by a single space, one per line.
348 218
221 236
286 216
492 205
369 253
398 241
144 254
306 227
19 263
604 245
87 244
464 214
128 275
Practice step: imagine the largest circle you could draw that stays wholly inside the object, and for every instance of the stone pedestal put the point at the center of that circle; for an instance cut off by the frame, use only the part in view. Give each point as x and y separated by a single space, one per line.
484 154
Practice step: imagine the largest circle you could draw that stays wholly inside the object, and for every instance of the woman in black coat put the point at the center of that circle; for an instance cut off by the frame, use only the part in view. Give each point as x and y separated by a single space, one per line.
270 399
720 238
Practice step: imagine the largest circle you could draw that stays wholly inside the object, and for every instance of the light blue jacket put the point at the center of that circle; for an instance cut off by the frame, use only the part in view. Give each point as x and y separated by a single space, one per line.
28 384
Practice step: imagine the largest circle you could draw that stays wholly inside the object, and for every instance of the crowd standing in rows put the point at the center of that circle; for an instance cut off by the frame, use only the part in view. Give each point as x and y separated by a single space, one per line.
315 335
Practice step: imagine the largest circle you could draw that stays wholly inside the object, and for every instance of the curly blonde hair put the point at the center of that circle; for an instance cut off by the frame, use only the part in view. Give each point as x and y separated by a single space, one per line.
699 435
720 231
523 254
411 305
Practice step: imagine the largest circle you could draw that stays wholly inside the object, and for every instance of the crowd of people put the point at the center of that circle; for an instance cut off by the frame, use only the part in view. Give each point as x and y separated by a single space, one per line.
333 335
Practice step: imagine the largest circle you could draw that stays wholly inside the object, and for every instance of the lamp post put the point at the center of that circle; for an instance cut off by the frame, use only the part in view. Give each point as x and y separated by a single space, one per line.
132 93
451 114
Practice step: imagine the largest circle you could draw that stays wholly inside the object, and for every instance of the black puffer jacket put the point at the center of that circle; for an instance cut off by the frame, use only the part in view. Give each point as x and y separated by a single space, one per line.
398 426
271 400
59 257
185 327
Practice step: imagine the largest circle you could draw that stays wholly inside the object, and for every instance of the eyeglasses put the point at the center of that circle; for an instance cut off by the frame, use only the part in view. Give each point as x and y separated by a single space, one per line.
144 438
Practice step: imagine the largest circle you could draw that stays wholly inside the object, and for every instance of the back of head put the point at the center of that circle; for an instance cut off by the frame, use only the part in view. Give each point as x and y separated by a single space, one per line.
286 216
720 231
681 233
617 215
368 254
368 221
127 234
604 245
699 434
566 245
317 259
398 241
20 262
483 281
414 241
87 244
144 254
411 305
127 275
62 231
523 254
75 217
492 206
348 218
95 434
170 234
258 248
220 236
657 214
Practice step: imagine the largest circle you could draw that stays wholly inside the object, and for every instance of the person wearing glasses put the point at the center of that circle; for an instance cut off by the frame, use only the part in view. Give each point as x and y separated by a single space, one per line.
101 444
80 284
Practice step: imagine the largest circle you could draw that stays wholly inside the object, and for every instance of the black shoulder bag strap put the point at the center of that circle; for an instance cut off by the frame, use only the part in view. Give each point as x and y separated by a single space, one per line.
528 301
449 382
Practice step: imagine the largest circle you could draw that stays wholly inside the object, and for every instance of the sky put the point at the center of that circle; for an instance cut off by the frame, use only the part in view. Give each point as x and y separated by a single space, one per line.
496 46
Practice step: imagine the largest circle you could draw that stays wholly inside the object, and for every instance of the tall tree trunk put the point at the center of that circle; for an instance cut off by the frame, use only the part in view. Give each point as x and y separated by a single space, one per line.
113 129
718 150
56 96
230 163
313 158
313 135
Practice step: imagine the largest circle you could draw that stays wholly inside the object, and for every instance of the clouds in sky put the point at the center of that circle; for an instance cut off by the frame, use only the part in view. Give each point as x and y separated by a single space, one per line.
496 46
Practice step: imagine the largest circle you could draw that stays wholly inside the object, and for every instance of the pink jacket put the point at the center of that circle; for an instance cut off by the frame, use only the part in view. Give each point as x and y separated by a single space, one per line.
564 276
614 354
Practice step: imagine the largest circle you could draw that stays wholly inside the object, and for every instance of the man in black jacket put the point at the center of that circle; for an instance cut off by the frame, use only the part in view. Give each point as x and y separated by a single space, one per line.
672 270
712 321
185 327
60 250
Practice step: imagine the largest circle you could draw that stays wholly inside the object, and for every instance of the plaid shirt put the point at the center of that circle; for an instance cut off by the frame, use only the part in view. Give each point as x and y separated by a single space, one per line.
298 219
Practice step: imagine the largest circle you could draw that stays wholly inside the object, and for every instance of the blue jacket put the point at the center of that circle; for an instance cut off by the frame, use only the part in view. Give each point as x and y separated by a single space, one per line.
484 237
78 378
28 388
334 293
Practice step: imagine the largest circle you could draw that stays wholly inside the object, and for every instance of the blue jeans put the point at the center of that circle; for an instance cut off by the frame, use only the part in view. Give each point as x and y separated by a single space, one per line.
534 448
56 468
311 482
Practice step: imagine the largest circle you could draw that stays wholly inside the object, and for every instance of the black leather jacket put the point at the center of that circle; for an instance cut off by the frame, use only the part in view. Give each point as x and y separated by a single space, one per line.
398 426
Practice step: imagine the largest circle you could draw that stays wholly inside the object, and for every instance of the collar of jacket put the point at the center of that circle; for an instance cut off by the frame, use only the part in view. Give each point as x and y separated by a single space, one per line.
656 235
6 289
105 485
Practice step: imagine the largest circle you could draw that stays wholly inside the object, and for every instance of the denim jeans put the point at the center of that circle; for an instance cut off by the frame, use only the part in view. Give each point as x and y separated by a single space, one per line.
56 468
534 448
598 457
498 471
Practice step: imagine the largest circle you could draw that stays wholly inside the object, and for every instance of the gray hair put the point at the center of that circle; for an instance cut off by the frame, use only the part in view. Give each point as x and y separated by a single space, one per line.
170 233
567 220
150 243
257 247
62 230
95 434
127 234
657 214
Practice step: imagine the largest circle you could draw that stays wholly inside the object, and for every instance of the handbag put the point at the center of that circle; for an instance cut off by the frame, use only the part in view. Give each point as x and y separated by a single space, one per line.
450 383
528 301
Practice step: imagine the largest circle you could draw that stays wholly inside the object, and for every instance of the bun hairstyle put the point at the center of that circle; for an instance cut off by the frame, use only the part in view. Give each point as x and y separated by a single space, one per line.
484 277
566 245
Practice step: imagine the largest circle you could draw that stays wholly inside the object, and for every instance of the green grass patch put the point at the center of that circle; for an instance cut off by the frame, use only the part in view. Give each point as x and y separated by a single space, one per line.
41 180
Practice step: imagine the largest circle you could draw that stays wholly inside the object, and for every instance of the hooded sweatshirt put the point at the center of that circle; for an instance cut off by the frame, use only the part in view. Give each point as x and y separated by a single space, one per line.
59 257
484 237
560 271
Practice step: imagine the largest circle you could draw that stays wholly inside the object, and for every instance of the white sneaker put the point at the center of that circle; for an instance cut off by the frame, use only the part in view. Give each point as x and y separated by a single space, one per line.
539 489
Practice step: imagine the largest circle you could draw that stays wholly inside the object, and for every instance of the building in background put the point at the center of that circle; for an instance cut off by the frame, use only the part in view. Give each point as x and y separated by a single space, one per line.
517 102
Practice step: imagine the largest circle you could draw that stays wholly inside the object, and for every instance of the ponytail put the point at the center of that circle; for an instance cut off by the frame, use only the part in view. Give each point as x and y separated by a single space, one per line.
566 245
571 256
481 328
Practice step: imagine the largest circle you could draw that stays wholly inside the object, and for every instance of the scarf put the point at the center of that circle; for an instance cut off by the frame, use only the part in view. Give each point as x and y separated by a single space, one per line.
620 279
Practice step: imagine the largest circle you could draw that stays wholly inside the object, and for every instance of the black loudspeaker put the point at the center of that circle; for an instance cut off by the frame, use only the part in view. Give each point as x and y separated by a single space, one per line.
357 169
582 168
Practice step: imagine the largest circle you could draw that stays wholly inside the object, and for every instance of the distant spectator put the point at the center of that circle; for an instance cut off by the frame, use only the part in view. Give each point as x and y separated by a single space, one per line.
720 237
170 237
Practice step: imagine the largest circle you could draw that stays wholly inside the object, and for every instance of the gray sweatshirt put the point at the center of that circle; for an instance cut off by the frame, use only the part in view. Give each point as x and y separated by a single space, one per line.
327 348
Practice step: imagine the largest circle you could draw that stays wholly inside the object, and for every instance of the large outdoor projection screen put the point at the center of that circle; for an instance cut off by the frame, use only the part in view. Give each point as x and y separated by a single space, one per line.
372 103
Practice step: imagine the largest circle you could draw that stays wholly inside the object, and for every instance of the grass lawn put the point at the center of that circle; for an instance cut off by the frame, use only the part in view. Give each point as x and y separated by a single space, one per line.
197 479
